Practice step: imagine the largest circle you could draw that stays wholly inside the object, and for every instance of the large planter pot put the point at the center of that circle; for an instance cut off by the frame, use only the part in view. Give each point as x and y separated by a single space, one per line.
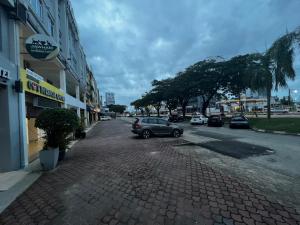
49 158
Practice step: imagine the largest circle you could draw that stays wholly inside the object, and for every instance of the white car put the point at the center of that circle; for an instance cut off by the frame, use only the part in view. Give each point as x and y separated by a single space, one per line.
198 119
105 118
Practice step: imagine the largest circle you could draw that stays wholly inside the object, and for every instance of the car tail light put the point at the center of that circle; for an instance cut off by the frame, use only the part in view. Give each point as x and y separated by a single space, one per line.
138 126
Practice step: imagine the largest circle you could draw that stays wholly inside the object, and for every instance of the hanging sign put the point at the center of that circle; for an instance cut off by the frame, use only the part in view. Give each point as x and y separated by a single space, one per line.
41 47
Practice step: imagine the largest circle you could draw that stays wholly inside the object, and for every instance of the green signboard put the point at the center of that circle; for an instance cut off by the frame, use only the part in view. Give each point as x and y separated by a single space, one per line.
42 47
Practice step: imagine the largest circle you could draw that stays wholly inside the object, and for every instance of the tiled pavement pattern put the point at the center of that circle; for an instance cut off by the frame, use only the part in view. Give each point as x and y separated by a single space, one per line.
112 177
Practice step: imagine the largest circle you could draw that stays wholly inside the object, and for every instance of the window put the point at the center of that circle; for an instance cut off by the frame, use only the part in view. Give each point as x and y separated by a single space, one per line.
50 26
163 122
37 7
145 121
152 121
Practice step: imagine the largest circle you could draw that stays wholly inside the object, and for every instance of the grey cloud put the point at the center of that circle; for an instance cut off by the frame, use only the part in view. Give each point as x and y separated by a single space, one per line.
130 43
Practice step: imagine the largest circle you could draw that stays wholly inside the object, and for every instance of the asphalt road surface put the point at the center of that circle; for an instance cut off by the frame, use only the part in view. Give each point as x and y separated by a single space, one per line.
268 162
280 153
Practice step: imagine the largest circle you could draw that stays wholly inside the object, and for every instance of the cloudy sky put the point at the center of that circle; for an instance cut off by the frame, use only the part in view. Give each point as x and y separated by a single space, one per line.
131 42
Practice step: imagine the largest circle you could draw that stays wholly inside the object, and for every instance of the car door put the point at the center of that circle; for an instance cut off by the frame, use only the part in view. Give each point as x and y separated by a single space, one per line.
164 127
153 125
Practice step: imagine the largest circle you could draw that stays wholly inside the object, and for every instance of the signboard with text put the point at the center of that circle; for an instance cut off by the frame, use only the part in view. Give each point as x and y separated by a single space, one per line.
41 88
4 73
41 47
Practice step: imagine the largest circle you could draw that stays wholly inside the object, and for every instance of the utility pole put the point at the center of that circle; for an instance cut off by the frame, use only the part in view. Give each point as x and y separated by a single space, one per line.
289 98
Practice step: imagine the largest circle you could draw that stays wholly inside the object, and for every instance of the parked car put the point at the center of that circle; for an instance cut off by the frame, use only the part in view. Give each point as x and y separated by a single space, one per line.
105 118
215 121
175 118
149 126
239 122
198 119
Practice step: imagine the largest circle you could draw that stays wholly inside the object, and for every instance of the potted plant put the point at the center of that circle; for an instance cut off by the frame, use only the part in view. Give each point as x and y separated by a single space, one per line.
80 131
57 124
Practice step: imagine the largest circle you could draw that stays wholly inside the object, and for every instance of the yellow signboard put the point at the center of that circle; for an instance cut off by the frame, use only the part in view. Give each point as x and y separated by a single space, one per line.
39 87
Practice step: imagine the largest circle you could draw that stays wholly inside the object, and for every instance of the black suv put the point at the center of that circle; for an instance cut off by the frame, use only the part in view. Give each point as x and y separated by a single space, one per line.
215 121
148 126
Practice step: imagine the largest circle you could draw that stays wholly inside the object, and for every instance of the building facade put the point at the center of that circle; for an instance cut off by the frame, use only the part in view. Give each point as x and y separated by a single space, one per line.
43 65
93 102
109 98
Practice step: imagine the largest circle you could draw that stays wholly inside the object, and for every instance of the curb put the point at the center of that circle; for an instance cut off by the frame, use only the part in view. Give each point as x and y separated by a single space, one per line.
275 132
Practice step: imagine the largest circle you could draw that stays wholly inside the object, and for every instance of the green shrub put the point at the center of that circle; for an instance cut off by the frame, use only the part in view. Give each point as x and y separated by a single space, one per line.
57 124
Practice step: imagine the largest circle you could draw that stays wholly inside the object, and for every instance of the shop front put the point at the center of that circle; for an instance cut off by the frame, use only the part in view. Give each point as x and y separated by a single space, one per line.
39 95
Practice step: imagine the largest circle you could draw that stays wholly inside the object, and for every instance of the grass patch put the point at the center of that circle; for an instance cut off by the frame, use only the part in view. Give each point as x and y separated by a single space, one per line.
290 125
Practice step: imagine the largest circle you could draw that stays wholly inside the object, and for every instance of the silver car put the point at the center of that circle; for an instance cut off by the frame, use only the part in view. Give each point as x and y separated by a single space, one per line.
149 126
239 122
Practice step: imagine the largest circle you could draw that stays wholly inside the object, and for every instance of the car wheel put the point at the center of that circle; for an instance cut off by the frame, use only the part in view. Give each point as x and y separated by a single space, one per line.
176 133
146 134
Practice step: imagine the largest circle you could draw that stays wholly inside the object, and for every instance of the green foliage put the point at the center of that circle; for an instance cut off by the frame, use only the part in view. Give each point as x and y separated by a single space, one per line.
57 124
213 78
117 108
290 125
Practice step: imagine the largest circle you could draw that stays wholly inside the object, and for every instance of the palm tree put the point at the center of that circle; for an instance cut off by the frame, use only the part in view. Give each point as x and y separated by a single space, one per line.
274 68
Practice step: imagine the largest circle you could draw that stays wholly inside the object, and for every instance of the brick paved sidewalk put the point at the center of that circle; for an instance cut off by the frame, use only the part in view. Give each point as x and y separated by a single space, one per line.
112 177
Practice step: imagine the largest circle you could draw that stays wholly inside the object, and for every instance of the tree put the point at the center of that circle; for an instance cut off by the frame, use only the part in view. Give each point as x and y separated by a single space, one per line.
184 89
154 98
274 68
168 93
208 80
138 105
117 108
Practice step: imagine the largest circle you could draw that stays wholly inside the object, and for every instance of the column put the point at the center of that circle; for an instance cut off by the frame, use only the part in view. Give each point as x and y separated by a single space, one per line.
13 149
85 112
77 92
62 84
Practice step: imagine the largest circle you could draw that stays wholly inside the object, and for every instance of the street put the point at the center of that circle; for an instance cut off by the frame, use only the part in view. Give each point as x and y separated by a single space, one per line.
282 152
114 177
268 162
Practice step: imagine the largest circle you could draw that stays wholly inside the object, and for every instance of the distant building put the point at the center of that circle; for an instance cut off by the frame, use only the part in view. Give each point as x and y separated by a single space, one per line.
110 98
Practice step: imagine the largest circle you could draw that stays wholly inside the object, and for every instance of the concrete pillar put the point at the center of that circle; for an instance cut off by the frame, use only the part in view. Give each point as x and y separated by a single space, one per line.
23 131
13 148
62 83
77 92
85 112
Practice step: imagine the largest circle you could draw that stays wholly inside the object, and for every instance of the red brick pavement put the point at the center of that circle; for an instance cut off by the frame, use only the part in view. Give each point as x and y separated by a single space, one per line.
112 177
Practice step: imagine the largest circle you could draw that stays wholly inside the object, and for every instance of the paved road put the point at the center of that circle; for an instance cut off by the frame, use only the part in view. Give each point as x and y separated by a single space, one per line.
113 177
280 153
